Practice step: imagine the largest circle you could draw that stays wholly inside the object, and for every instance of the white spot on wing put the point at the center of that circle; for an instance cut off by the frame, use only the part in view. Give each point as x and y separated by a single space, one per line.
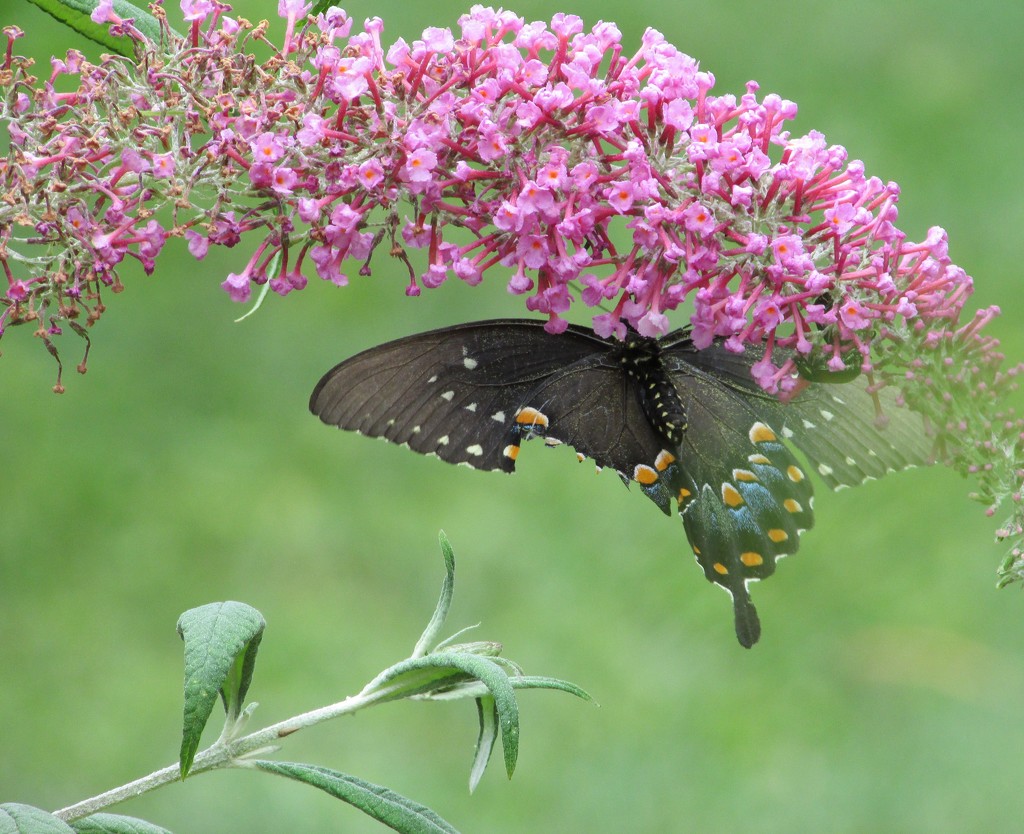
476 450
469 363
824 469
471 407
787 432
808 424
433 378
442 440
499 416
828 415
448 395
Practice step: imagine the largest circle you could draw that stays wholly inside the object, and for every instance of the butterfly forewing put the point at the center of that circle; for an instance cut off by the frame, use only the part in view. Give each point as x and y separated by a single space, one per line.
451 392
851 436
848 433
594 408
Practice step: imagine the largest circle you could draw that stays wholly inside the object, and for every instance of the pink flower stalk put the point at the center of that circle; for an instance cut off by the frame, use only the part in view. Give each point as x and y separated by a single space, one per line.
634 182
551 155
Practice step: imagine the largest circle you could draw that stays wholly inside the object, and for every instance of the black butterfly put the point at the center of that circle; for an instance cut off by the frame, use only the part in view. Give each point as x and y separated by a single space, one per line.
690 426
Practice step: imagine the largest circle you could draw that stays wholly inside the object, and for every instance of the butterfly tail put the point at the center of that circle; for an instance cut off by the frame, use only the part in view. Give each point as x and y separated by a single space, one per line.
748 624
714 537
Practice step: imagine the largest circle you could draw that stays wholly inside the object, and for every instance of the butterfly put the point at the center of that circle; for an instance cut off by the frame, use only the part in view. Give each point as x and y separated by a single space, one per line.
689 426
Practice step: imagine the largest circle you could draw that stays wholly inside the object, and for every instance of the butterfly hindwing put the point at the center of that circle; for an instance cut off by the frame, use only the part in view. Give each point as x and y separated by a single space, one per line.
743 497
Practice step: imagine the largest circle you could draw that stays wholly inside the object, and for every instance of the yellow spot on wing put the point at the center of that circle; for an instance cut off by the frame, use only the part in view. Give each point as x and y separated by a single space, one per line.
731 496
720 568
664 460
751 559
744 475
793 506
531 417
795 473
777 535
511 451
760 433
644 475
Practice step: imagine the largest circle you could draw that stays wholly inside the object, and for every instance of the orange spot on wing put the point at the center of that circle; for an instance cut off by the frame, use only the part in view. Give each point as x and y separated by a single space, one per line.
731 496
531 417
751 559
664 460
644 475
760 433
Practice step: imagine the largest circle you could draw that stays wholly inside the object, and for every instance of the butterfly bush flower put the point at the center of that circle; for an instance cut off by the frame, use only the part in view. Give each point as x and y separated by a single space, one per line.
568 166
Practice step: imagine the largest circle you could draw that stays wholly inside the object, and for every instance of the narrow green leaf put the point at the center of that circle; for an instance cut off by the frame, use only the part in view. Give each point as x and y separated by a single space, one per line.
76 15
420 681
221 641
488 716
16 818
489 673
468 688
542 682
258 302
116 824
394 810
321 6
448 642
484 648
443 603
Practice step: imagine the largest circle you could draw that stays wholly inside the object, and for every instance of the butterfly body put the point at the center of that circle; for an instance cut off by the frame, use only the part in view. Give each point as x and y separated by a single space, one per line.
641 360
689 426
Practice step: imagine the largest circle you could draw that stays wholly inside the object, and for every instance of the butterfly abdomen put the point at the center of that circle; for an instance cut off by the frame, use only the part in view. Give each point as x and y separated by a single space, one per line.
641 360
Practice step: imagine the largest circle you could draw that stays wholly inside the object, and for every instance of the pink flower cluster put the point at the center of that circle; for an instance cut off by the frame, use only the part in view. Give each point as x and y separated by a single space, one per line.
585 172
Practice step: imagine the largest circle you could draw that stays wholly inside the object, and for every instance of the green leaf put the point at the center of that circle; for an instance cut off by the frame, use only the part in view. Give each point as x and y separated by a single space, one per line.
485 741
25 819
221 641
259 298
116 824
396 682
443 603
543 682
468 688
394 810
75 14
321 6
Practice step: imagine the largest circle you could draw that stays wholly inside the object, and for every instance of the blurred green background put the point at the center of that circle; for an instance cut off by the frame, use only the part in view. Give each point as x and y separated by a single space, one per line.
184 468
